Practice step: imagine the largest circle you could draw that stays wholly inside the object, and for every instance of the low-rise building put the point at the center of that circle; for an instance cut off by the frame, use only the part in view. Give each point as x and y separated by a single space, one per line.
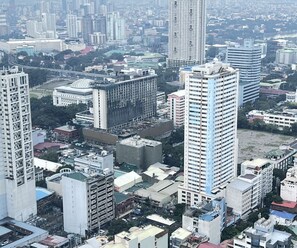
178 237
126 181
95 162
148 236
206 220
158 172
66 133
291 97
124 204
159 194
263 235
78 92
139 152
288 189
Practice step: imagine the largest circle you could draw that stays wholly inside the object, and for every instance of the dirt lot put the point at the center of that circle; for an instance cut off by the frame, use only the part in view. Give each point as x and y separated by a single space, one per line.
253 144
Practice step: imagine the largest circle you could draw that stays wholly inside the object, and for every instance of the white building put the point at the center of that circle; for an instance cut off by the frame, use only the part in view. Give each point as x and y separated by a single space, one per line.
247 59
288 190
126 181
210 131
87 201
291 97
286 56
17 177
263 169
176 102
239 197
97 38
78 92
179 236
263 235
148 236
187 28
95 162
49 24
72 26
115 27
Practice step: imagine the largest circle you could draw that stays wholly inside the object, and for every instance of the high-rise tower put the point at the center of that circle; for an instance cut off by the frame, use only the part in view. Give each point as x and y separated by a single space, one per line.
17 182
246 58
210 145
187 28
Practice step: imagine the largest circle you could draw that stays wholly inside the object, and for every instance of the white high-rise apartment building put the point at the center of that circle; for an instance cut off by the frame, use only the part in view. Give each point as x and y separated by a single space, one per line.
17 182
210 145
187 29
72 27
49 24
115 27
247 59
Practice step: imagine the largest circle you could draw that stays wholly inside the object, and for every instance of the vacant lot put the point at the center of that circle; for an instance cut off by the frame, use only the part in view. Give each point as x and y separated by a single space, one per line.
253 144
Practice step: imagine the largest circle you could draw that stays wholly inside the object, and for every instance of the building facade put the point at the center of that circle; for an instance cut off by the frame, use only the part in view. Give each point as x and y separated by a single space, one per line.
87 202
288 190
210 131
117 104
17 177
72 27
176 102
187 31
246 58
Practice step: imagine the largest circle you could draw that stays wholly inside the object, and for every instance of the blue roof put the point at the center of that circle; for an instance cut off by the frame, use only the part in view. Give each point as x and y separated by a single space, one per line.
283 214
42 193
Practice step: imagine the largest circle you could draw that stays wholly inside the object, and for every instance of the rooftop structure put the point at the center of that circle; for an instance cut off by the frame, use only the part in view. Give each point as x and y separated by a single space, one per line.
126 181
288 191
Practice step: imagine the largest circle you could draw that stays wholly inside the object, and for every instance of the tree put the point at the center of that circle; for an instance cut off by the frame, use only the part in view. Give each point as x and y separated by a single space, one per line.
50 156
179 211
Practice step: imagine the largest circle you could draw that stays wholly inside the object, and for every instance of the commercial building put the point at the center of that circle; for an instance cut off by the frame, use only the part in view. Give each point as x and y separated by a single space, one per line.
210 144
187 32
291 97
247 59
206 220
78 92
126 181
88 202
178 237
139 152
176 102
129 99
17 177
148 236
288 190
263 235
66 133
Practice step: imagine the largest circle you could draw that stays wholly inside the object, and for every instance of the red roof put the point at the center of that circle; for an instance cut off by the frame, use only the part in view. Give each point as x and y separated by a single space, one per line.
47 145
208 245
287 204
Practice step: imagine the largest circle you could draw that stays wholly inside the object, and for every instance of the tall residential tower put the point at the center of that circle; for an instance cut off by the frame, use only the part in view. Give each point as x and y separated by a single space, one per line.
210 131
17 182
187 28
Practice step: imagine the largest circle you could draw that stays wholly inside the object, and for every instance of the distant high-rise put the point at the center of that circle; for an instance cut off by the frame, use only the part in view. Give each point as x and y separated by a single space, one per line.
210 146
71 24
17 182
87 27
115 27
247 59
187 28
49 24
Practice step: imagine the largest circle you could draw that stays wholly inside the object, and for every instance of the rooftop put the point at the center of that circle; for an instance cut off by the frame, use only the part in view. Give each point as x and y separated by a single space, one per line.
42 193
181 234
136 141
258 162
78 176
160 219
240 185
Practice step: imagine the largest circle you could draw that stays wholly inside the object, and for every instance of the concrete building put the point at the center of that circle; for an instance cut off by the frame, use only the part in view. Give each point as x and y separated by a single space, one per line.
179 236
132 98
87 202
148 236
210 144
126 181
72 27
286 56
187 31
95 162
176 102
207 220
263 169
263 235
242 194
97 38
49 24
288 190
247 59
291 97
17 177
78 92
139 152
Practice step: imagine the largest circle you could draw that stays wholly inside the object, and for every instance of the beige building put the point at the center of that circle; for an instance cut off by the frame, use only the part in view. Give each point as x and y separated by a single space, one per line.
176 102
